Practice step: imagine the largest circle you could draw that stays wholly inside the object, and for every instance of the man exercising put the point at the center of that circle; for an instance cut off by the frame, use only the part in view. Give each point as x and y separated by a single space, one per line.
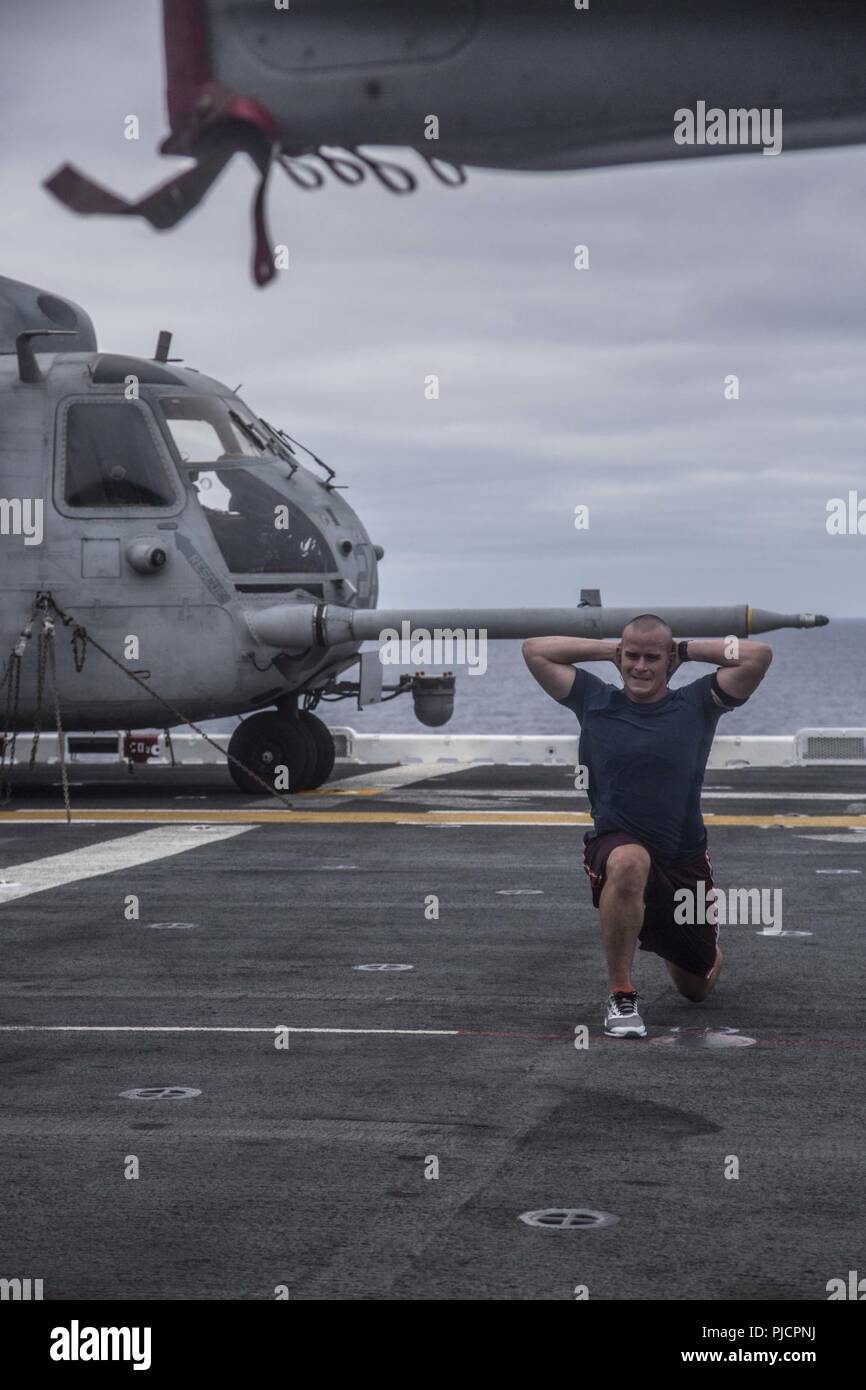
645 748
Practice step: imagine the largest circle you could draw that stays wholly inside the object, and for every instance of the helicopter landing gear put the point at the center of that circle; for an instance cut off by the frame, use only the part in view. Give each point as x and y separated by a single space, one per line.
268 742
323 741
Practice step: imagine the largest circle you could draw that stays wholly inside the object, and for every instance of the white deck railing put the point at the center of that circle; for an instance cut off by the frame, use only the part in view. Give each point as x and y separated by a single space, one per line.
808 747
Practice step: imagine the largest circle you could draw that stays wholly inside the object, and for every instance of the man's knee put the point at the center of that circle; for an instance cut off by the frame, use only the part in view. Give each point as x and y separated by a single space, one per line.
695 987
628 869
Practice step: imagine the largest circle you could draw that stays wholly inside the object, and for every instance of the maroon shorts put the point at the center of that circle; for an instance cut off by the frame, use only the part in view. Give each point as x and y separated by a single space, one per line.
692 948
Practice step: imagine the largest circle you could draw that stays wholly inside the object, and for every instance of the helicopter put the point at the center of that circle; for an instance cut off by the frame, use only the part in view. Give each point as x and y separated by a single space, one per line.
492 84
208 557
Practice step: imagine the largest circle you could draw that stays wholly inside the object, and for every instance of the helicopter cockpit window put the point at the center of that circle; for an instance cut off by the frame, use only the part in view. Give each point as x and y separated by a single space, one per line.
255 527
112 459
206 429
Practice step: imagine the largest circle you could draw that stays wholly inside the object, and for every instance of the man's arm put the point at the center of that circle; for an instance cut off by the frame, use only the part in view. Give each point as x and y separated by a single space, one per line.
551 659
743 664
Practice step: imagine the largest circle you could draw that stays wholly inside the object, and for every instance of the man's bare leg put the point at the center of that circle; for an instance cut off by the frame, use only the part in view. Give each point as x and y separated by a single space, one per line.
695 987
621 908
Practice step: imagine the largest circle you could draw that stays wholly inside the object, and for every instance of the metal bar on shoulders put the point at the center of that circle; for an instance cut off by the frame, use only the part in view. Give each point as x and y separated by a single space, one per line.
300 626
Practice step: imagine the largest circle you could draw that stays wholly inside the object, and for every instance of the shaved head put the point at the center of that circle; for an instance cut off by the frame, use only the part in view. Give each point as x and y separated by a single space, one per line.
647 624
645 657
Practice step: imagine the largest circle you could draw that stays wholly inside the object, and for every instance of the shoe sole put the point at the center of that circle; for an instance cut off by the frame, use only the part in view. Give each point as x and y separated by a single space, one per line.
623 1033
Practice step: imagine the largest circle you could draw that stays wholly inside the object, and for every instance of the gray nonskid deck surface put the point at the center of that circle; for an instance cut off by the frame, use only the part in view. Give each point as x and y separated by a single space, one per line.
306 1167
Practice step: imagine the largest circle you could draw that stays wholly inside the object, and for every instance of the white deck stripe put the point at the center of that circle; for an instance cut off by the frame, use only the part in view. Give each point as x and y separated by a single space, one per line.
467 794
485 824
107 856
194 1028
393 778
403 775
783 796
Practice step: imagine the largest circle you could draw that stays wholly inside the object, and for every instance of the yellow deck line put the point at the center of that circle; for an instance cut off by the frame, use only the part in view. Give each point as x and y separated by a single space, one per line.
171 815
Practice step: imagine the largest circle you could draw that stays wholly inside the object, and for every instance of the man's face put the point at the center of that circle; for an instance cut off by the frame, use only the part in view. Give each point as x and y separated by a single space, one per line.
645 661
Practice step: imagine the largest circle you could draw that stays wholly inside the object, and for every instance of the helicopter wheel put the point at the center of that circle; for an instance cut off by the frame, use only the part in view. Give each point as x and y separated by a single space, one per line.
326 751
266 742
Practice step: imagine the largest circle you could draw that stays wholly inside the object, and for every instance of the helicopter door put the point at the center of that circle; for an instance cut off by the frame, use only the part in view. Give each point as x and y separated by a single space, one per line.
115 479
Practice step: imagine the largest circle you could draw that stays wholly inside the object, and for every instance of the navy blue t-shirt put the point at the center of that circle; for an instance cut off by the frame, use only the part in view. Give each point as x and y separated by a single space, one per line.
646 761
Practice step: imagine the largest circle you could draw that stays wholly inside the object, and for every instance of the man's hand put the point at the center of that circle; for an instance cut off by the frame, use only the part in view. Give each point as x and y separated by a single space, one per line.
674 662
550 659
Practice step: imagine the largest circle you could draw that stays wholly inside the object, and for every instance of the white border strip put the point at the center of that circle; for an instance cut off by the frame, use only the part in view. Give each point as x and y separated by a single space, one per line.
109 856
456 750
195 1028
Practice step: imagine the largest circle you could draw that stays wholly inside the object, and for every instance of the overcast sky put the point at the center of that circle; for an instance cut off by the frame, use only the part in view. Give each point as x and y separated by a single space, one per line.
601 387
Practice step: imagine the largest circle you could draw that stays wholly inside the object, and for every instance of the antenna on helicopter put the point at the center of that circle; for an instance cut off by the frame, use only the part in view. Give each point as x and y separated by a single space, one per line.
163 346
29 370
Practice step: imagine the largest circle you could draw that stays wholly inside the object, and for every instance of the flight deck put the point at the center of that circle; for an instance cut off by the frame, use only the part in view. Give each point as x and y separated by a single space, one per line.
348 1044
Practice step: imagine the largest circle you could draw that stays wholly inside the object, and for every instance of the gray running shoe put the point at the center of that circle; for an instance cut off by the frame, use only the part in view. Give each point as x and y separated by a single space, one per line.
621 1018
